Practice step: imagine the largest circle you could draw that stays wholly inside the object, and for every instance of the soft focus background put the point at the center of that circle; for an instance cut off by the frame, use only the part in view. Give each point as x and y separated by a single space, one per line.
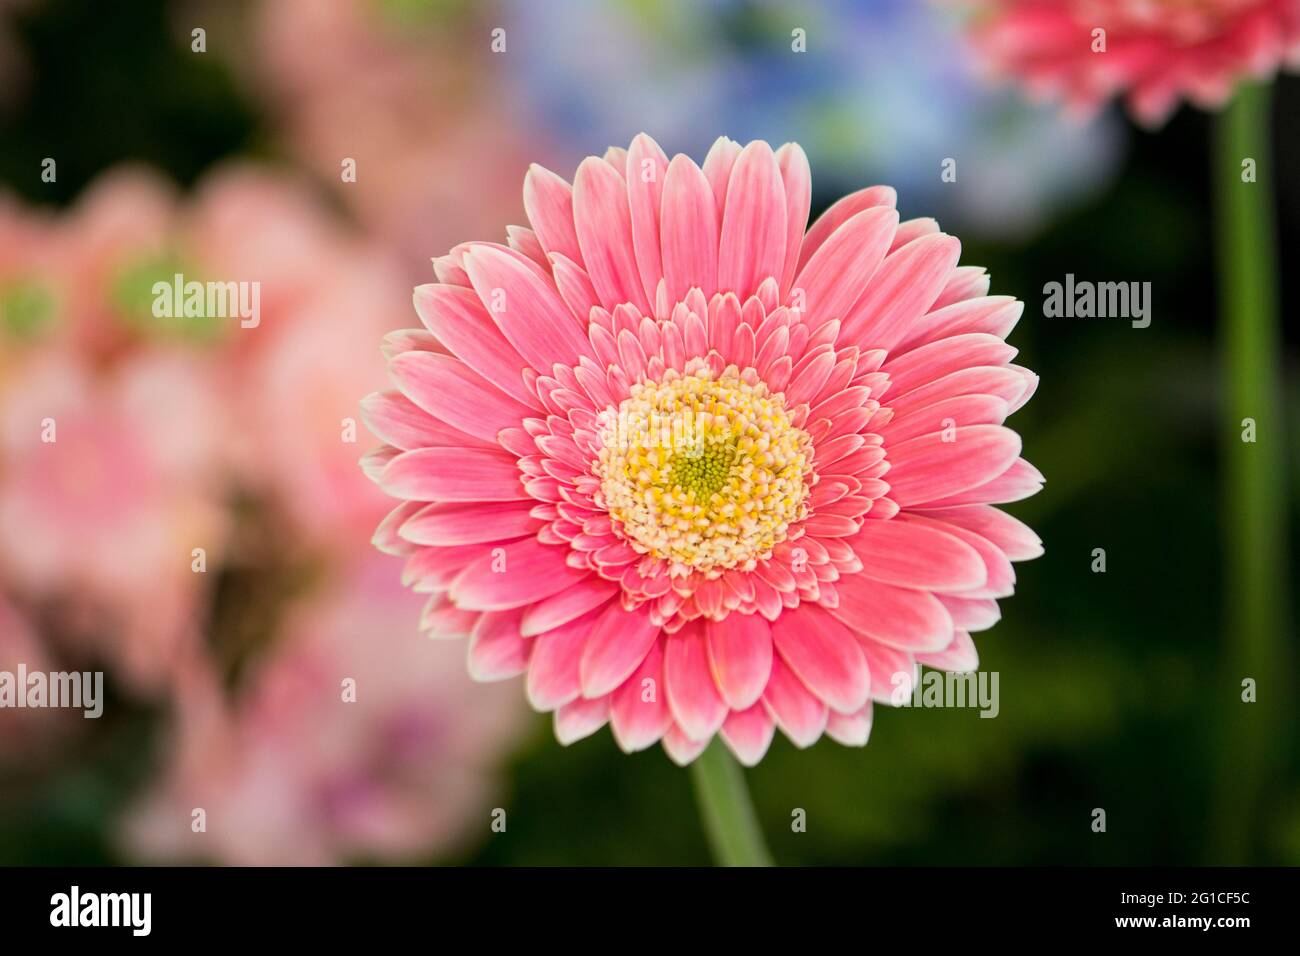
224 686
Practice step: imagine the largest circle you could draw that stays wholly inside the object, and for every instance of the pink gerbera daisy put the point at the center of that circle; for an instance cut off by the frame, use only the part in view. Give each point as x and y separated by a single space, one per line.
694 470
1155 52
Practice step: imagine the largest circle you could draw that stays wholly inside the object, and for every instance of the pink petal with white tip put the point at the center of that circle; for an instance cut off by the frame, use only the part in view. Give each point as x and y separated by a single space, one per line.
825 656
693 696
496 651
639 713
740 657
580 718
799 712
618 643
748 733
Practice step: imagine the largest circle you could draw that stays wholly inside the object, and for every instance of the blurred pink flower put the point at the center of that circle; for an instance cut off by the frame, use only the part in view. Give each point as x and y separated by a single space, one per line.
288 386
1156 52
294 773
122 224
410 99
694 470
291 383
105 490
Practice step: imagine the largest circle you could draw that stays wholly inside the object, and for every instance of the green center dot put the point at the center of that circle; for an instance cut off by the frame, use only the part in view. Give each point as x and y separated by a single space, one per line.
705 472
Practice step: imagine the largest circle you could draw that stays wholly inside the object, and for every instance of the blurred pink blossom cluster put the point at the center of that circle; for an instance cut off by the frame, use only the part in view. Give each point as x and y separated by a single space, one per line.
401 90
181 507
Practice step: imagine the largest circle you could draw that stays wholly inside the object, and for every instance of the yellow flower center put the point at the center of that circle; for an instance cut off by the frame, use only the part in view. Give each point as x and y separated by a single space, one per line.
705 473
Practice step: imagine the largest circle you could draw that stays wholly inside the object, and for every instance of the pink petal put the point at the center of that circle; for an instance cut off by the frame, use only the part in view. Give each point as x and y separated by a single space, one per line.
692 695
574 286
971 614
902 289
1016 539
394 418
566 606
639 713
945 414
448 524
458 319
514 575
450 391
929 468
680 748
841 212
799 713
749 733
751 246
619 642
740 655
911 620
965 282
1000 575
937 359
993 315
525 241
913 555
553 671
386 537
719 162
959 656
496 651
453 474
1006 382
1019 481
851 730
841 270
646 166
548 200
824 655
689 231
893 671
913 229
580 718
796 177
604 226
525 307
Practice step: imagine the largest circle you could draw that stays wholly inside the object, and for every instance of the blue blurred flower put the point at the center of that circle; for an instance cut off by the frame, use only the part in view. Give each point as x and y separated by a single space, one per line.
885 92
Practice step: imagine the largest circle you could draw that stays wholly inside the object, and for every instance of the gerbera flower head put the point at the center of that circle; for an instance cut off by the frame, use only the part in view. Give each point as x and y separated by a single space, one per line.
1153 52
695 470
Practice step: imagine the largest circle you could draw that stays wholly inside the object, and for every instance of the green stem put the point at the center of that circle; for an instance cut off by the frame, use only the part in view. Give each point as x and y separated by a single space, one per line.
1254 512
729 820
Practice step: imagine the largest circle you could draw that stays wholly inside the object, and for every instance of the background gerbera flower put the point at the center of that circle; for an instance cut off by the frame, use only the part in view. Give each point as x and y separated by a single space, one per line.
104 490
292 771
1157 52
695 471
